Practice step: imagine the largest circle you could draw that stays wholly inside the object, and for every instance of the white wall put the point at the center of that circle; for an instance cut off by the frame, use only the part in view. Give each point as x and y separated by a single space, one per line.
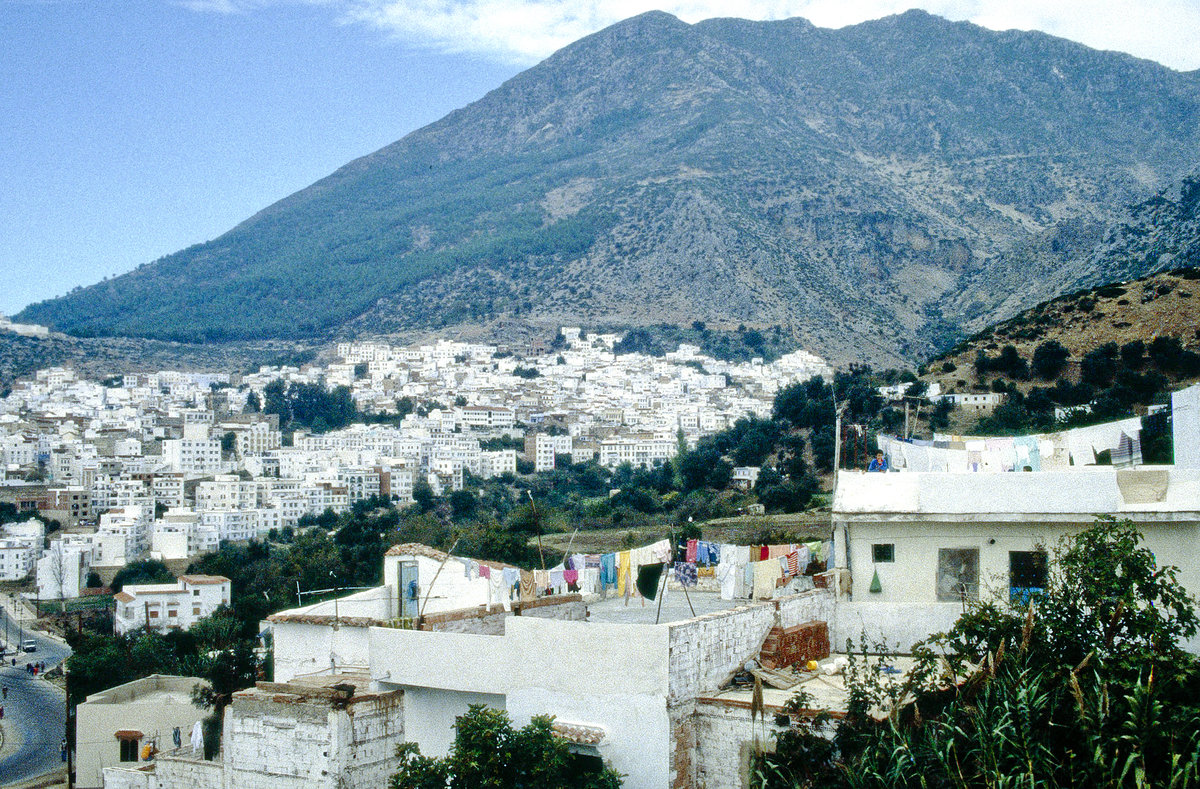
611 676
911 577
304 650
429 715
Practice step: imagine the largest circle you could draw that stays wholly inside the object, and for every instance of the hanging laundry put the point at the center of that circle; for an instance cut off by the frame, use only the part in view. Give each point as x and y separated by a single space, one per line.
793 562
660 552
647 580
775 551
702 552
803 557
511 576
571 576
623 573
685 574
690 556
557 579
764 553
592 560
528 586
499 593
727 575
485 571
608 571
766 573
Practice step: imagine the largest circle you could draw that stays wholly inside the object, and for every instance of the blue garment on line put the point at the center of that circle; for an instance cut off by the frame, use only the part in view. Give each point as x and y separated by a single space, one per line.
608 570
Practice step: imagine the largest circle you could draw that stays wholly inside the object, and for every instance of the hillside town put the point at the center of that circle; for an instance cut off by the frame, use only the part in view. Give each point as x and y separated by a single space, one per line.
174 466
170 464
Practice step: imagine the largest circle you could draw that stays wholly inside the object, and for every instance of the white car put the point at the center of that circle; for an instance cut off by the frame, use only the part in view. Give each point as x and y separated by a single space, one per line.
29 645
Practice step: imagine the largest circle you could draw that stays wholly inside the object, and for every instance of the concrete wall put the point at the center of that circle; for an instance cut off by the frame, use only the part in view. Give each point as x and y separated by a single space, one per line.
604 675
451 589
154 706
374 603
899 625
429 715
127 778
911 577
491 620
308 649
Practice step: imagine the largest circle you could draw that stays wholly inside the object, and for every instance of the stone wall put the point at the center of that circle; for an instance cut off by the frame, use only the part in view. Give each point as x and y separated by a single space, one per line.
706 650
725 741
276 739
185 772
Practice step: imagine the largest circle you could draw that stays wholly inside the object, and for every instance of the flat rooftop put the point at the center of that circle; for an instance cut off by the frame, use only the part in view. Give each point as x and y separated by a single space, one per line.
675 608
826 692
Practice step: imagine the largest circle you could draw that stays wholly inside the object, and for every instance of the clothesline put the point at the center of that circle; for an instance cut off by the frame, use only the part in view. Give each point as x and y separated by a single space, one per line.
1037 452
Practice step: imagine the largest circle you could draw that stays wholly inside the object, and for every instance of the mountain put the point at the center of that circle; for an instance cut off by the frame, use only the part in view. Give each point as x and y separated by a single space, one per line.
1153 235
858 188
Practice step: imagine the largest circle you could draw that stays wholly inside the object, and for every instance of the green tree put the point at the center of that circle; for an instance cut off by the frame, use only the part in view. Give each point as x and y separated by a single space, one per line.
1049 359
489 752
145 571
1085 684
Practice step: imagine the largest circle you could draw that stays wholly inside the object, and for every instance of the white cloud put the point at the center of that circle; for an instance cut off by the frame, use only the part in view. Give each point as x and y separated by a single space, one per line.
524 31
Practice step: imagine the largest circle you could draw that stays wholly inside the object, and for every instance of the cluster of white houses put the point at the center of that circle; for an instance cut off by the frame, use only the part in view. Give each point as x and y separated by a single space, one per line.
169 464
649 692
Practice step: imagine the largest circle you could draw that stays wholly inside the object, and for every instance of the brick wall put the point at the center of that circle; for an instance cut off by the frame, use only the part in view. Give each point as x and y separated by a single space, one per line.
707 649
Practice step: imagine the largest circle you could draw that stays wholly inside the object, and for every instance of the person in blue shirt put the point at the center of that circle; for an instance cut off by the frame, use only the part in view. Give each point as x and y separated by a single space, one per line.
879 463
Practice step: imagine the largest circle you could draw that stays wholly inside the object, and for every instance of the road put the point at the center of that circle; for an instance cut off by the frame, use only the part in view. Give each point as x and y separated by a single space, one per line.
34 712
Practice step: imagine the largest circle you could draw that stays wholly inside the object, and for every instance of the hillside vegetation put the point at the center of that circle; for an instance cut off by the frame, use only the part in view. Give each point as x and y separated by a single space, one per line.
1114 348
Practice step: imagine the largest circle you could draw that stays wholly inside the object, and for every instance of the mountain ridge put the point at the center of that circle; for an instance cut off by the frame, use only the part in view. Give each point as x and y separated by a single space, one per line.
843 184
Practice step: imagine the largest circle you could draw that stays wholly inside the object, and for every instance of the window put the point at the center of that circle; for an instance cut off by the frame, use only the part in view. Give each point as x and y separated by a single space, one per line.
173 612
883 552
153 614
129 749
1027 574
195 593
957 574
195 610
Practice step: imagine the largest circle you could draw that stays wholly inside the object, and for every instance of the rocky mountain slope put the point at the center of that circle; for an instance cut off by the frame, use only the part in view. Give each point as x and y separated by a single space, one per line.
858 188
1157 234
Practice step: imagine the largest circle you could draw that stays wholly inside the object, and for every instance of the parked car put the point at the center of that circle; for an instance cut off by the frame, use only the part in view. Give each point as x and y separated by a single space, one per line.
29 645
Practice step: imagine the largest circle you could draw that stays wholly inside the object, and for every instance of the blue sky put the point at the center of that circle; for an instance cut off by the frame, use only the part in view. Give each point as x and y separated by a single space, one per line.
134 128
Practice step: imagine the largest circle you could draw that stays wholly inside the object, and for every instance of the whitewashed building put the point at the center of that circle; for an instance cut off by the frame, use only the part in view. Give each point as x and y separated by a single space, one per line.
165 607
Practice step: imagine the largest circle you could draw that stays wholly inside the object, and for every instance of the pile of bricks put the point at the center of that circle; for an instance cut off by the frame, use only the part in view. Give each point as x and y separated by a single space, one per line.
795 646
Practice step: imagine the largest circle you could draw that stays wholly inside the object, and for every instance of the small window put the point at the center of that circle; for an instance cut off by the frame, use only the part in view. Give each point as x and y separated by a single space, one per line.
154 615
195 610
1027 574
129 750
173 612
883 552
195 593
